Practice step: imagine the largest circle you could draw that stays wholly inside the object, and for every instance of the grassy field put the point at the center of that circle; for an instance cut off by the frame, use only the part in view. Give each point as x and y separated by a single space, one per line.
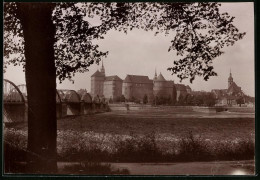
211 128
150 136
162 122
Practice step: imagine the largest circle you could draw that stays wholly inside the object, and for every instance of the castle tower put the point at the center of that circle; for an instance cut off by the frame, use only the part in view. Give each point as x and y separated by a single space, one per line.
128 87
97 82
159 86
230 79
102 70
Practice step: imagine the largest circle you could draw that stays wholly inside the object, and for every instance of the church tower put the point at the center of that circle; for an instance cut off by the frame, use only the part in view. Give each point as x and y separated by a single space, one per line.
230 79
102 70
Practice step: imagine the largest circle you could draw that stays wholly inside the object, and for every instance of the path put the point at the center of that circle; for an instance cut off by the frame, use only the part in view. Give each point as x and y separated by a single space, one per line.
189 168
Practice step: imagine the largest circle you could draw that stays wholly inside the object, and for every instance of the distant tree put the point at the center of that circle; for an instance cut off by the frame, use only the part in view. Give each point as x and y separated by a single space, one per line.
132 99
156 100
169 100
249 99
181 100
209 99
118 99
110 100
137 101
240 100
56 40
189 99
198 100
122 98
161 100
145 99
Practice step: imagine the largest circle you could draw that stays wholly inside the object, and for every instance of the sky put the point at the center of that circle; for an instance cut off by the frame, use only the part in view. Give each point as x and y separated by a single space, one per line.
139 52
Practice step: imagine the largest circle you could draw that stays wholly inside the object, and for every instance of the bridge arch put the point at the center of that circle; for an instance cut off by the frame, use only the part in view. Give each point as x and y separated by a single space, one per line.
72 100
12 93
86 97
70 96
15 103
23 89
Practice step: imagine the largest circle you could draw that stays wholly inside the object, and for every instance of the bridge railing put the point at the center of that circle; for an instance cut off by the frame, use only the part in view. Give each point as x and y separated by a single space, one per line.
68 102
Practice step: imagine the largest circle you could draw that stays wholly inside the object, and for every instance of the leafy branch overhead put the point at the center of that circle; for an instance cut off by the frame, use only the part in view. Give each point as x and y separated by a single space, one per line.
198 31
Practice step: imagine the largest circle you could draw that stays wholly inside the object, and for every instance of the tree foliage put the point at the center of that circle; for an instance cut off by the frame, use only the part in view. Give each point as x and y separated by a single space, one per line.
145 99
198 31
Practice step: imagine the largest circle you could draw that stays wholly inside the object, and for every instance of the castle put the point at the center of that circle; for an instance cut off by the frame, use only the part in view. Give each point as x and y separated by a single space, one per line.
135 87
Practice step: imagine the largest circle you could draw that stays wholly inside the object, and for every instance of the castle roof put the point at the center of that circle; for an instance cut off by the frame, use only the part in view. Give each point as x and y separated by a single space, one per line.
188 87
160 78
113 78
97 74
137 79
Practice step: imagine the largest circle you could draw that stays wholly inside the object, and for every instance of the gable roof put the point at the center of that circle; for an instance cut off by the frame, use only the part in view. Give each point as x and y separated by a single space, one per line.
137 79
113 78
188 87
97 74
160 78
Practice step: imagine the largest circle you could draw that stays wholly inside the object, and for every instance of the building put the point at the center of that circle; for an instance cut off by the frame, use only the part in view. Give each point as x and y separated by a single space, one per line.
109 87
135 87
112 87
182 90
97 84
229 96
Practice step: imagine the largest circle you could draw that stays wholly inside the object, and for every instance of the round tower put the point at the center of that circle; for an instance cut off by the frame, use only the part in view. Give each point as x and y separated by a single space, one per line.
127 87
159 86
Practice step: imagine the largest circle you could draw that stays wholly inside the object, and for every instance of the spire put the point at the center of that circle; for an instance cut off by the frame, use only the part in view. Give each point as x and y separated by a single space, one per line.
230 79
155 75
102 70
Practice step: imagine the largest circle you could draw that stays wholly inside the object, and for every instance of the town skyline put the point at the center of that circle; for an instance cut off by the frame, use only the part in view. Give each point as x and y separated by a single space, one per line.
140 52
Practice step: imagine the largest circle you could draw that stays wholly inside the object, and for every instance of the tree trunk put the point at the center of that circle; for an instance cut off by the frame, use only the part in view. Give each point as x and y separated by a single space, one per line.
40 73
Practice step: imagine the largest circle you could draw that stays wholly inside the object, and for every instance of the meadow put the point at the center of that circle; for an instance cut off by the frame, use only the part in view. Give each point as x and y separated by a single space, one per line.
161 135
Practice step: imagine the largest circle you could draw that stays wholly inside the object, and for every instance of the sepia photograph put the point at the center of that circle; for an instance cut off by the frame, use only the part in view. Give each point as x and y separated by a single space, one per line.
132 89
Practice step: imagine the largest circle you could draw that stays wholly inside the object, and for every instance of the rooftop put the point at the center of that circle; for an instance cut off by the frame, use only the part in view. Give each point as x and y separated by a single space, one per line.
113 78
137 79
97 74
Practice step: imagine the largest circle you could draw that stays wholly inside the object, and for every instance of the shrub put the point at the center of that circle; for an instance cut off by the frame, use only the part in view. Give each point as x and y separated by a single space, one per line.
97 147
193 148
15 144
141 148
238 149
16 138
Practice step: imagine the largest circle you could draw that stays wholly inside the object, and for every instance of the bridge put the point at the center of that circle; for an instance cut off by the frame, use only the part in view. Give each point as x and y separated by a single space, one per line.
68 102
